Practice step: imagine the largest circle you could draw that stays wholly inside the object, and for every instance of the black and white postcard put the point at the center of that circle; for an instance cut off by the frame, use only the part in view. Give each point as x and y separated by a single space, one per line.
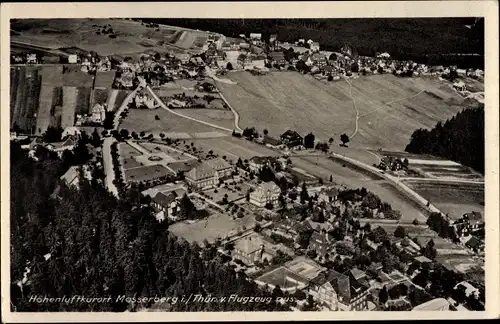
249 161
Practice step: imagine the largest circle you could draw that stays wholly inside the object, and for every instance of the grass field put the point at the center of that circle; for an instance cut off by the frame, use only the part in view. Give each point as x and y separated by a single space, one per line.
145 173
219 117
131 36
233 148
139 120
120 97
285 100
217 225
24 100
68 106
100 96
453 199
83 100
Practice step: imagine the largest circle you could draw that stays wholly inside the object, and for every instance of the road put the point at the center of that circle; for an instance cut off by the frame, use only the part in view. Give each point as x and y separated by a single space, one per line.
108 165
162 105
356 108
235 113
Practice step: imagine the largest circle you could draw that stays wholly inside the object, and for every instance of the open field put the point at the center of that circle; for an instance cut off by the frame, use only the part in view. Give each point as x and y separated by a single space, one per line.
162 148
139 120
286 100
216 225
120 97
24 100
233 148
454 199
104 79
131 36
219 117
100 96
68 107
145 173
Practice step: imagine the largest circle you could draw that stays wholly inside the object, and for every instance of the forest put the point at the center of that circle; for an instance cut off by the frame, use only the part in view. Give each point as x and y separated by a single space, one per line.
434 41
460 139
68 241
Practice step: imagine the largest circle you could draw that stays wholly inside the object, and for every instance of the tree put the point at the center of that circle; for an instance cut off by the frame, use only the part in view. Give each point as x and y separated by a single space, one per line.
415 222
162 135
383 295
266 131
229 66
400 232
312 254
304 194
330 140
344 139
157 117
332 57
258 217
52 134
124 133
429 250
257 228
142 134
329 78
309 141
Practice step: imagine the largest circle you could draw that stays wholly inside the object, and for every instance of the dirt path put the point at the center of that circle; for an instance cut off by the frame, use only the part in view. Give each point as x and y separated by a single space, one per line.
356 108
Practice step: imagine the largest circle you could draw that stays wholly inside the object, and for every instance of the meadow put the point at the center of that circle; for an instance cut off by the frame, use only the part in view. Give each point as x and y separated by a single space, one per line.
389 108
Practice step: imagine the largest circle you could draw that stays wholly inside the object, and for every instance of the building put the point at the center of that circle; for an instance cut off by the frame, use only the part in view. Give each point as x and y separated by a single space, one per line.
277 58
165 204
339 292
328 195
314 46
271 141
73 58
31 58
321 243
436 304
475 244
460 86
253 248
255 38
71 177
98 113
267 192
257 162
291 138
468 288
208 173
468 224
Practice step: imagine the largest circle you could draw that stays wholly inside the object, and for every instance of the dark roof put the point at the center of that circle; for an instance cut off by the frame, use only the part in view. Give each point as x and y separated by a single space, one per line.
473 242
357 274
271 140
291 133
474 217
341 285
277 55
259 159
164 200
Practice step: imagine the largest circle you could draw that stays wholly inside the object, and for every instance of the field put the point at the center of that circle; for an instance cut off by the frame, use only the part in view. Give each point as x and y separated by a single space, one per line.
145 173
131 37
233 148
219 117
119 97
139 120
68 106
83 100
390 108
216 225
24 100
104 79
100 96
454 199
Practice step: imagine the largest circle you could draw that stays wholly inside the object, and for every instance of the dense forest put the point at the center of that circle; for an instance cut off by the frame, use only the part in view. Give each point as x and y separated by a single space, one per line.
460 139
433 41
85 242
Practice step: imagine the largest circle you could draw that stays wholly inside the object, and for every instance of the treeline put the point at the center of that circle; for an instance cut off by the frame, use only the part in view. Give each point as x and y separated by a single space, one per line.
85 242
460 139
423 40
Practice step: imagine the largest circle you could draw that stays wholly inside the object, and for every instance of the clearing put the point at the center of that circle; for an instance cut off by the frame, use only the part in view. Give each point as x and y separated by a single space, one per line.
287 100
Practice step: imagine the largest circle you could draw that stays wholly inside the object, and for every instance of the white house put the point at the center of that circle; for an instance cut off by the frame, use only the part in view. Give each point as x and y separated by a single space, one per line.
73 58
98 113
267 192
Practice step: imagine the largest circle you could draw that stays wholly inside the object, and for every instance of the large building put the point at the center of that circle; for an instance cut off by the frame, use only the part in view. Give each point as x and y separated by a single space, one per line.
267 192
208 173
291 138
252 249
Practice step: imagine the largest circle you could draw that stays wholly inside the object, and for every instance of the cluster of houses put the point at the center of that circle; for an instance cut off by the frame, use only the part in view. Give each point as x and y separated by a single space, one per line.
470 231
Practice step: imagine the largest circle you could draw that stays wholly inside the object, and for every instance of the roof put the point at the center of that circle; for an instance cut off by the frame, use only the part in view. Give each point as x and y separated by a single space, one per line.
277 55
357 274
259 159
218 164
291 133
434 304
70 176
201 171
473 242
474 217
164 200
266 187
98 108
469 289
423 259
340 284
271 140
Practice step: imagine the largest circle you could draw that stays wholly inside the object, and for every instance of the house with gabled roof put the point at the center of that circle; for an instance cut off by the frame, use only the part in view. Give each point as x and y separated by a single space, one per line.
291 138
166 205
208 173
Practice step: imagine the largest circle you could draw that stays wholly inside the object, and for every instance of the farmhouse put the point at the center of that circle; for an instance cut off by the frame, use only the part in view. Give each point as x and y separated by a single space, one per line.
291 138
265 193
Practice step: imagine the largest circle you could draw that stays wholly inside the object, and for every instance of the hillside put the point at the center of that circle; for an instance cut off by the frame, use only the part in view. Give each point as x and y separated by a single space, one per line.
423 39
459 139
389 107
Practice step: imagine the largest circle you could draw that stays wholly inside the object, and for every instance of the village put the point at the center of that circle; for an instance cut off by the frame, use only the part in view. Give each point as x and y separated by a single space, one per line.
269 219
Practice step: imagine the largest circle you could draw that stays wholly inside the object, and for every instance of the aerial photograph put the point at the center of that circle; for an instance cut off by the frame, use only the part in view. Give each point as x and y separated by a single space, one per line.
247 165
